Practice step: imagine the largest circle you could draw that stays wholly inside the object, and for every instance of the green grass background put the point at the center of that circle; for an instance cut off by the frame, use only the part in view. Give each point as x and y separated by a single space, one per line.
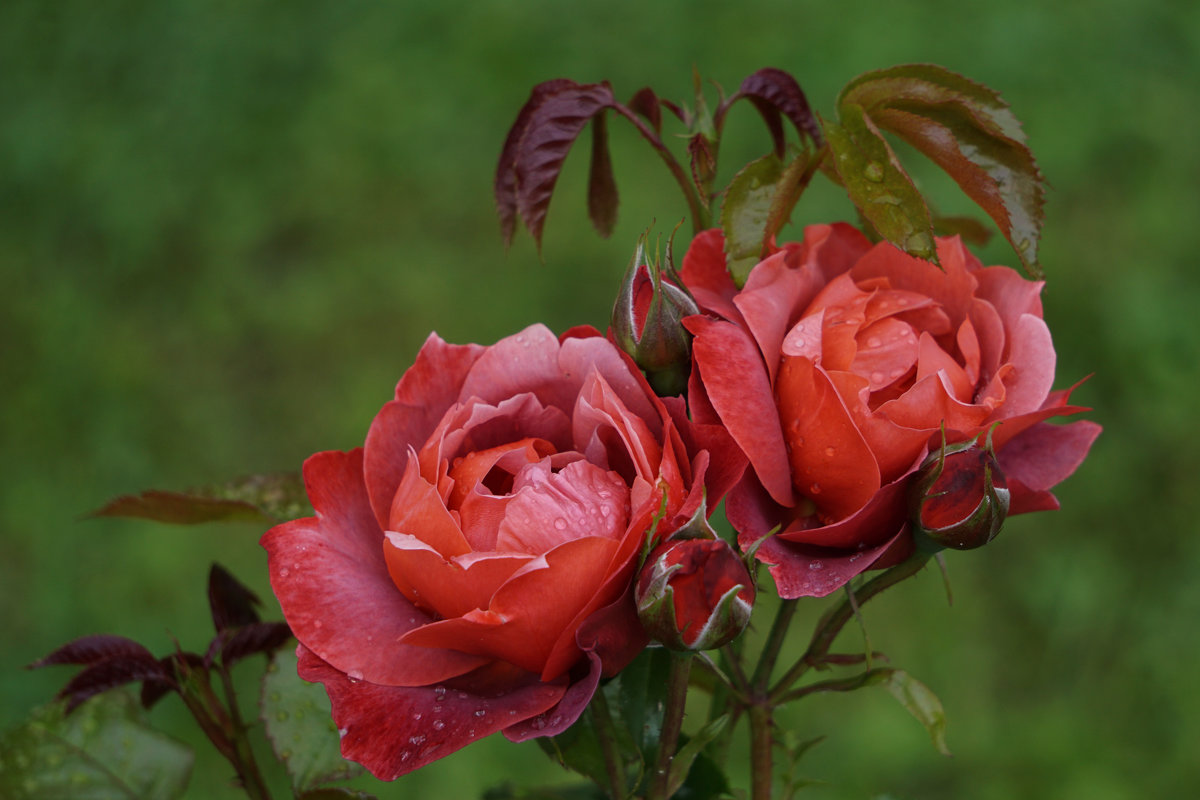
226 228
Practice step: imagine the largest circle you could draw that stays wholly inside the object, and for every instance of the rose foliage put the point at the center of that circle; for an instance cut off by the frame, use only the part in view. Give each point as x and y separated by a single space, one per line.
469 569
838 366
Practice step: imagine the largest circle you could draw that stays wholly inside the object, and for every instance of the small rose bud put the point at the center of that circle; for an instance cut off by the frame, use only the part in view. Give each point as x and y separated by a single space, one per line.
694 594
960 498
647 322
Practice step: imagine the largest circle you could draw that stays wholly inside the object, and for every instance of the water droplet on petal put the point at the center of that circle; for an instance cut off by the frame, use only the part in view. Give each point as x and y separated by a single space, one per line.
417 716
830 452
560 524
815 565
438 724
876 377
355 675
417 740
439 692
283 573
814 488
482 712
874 342
404 756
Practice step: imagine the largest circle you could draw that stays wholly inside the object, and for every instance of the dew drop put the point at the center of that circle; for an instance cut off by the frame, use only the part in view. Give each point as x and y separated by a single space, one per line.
481 712
438 724
876 377
342 732
318 624
560 524
556 719
816 565
404 756
896 373
417 740
830 452
283 573
439 692
417 716
285 754
281 716
874 342
355 675
873 171
814 488
902 301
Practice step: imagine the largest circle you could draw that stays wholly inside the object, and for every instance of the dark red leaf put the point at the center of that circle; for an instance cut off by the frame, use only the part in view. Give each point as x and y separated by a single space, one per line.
704 165
154 690
679 111
231 603
92 650
775 92
258 637
646 103
180 509
505 186
602 186
552 128
109 674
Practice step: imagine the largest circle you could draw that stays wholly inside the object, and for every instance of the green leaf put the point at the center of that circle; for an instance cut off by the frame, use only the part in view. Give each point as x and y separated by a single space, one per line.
967 130
638 696
681 765
705 781
921 703
745 213
300 727
267 499
877 184
104 750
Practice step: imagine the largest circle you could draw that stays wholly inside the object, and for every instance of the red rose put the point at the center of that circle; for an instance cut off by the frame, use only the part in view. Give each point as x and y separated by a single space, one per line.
837 366
469 569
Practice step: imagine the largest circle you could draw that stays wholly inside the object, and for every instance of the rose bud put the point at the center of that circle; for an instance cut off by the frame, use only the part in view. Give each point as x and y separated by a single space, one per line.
694 594
960 498
647 323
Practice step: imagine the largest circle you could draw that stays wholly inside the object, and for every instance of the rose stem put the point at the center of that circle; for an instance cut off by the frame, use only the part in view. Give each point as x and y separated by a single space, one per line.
677 687
761 707
761 742
700 219
824 636
607 734
247 767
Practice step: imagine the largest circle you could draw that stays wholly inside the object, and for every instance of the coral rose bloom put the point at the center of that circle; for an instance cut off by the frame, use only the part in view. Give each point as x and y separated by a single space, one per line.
469 569
835 369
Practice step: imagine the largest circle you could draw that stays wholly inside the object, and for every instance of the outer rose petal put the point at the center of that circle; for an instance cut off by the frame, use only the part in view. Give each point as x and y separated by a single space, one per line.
736 385
704 273
393 730
427 389
329 575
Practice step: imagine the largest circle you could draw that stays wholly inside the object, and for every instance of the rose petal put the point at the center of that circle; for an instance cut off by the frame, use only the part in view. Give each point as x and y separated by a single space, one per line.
1031 353
774 295
806 571
736 384
450 588
830 462
393 730
1045 455
704 273
550 508
424 393
331 581
529 612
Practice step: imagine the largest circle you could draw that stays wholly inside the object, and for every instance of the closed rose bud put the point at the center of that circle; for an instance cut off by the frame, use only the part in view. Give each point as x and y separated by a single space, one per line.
647 322
694 594
960 498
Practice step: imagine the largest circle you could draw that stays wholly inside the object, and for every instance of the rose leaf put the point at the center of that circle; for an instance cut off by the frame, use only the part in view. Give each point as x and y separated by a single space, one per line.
104 751
299 724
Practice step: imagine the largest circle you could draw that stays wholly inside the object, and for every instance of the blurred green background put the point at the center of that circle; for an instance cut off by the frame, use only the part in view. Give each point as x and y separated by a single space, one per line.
226 228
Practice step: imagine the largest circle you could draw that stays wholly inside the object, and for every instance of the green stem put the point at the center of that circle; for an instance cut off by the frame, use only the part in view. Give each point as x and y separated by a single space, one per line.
677 686
700 214
837 684
832 625
607 734
770 652
245 763
762 741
